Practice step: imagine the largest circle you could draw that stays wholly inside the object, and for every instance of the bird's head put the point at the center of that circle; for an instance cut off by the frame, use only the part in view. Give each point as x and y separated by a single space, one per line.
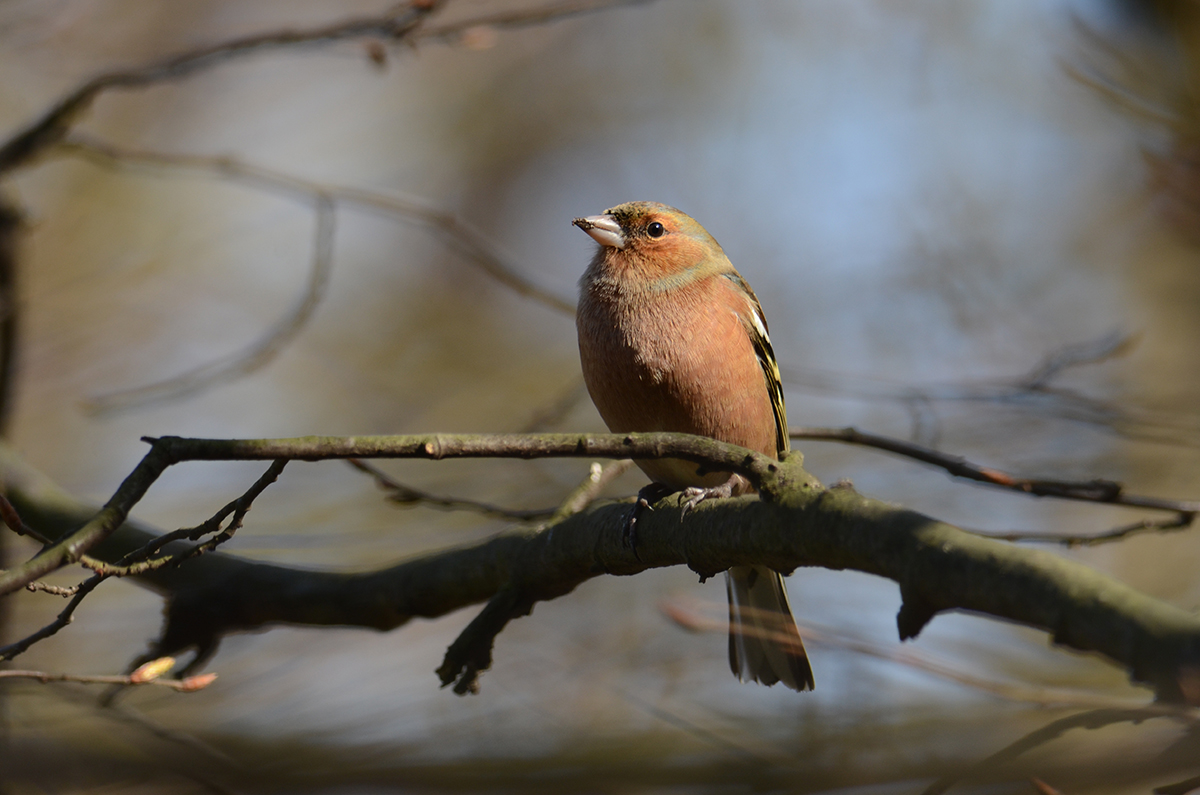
649 241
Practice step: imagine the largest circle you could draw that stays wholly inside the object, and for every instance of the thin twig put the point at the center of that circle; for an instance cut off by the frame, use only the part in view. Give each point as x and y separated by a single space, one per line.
1180 521
407 495
188 685
56 590
1112 345
65 617
1098 490
137 562
452 32
763 472
12 520
583 495
580 497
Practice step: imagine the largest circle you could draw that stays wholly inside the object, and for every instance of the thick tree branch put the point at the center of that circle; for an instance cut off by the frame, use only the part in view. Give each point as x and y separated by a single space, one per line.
760 470
938 567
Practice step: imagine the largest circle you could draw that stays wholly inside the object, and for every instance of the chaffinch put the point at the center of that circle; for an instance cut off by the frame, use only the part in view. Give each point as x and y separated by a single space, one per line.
672 338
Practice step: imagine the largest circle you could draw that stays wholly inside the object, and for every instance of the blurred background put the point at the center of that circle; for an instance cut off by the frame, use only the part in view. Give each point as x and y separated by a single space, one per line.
930 199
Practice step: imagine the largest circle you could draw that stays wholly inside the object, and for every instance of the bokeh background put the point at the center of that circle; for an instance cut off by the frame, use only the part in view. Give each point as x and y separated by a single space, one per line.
929 199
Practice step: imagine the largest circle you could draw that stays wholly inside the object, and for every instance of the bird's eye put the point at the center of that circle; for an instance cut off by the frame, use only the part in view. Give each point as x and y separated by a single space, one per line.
656 229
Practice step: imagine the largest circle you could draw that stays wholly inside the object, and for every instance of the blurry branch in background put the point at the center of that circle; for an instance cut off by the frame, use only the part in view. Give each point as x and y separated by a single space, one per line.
451 229
257 354
1094 719
598 478
1152 77
1181 521
400 25
1032 390
325 200
1180 787
696 615
521 18
397 25
10 234
407 495
795 522
1122 79
10 228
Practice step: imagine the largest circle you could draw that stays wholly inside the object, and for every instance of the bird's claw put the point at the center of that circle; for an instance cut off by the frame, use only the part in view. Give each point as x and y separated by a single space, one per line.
646 497
694 495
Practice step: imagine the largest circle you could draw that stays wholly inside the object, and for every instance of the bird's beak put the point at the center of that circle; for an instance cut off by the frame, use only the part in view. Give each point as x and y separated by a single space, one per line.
604 229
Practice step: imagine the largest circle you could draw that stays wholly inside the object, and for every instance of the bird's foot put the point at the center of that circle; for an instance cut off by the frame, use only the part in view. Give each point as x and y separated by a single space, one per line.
694 495
646 497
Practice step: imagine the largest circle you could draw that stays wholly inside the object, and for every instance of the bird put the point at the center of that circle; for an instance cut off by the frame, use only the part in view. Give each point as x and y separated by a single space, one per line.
672 338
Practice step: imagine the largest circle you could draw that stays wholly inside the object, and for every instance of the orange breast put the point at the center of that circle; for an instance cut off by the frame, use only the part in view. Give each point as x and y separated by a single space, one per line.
676 361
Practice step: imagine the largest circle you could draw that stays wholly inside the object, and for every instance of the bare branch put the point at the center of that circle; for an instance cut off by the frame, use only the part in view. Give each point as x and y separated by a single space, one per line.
57 121
65 616
580 497
189 685
586 492
1114 344
760 470
1180 521
452 32
12 520
407 495
127 566
139 560
401 24
795 522
1099 490
56 590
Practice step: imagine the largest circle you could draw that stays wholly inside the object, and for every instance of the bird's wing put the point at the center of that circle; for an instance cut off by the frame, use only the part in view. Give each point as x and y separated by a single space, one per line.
756 327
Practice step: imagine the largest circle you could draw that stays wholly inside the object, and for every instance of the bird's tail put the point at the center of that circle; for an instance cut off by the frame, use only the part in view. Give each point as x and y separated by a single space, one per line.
764 644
